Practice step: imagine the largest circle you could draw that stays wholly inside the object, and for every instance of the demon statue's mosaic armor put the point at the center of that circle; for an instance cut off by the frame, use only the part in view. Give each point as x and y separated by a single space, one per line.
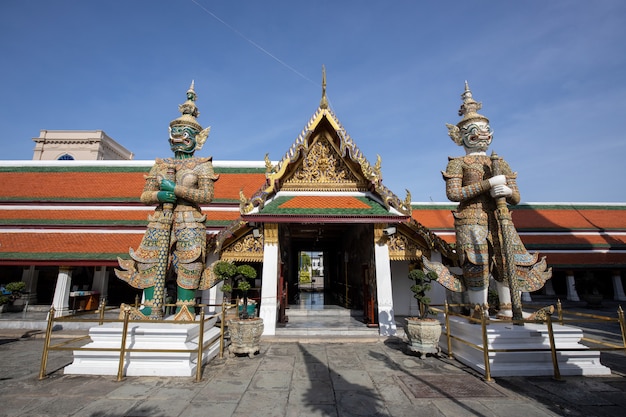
486 241
175 240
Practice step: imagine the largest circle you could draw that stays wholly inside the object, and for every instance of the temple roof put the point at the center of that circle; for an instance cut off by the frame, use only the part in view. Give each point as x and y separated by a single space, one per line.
89 213
324 159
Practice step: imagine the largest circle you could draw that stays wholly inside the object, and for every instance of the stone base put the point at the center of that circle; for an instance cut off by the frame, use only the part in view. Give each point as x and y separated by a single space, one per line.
423 335
245 336
145 336
502 335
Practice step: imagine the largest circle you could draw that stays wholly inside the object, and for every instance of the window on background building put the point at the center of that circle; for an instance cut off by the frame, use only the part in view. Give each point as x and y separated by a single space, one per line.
65 157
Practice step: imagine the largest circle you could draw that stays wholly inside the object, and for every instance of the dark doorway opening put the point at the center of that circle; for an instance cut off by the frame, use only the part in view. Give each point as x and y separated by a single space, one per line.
324 264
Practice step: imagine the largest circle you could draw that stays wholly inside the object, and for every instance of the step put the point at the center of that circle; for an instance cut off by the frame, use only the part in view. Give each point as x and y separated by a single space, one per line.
332 312
327 332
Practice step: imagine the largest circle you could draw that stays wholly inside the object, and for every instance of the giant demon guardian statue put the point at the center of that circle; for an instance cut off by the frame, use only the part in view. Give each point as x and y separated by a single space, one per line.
487 243
174 244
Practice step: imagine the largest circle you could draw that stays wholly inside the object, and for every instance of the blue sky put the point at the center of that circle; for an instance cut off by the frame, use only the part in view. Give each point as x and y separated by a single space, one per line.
550 75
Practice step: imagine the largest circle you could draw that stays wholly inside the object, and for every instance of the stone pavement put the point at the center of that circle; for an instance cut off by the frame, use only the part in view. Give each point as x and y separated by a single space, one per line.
320 378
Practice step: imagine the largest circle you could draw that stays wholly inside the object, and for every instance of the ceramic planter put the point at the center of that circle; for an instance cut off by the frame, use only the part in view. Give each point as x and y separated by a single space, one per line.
245 335
423 335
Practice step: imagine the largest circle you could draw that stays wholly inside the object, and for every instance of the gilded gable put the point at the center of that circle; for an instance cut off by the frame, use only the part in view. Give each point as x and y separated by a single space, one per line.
323 168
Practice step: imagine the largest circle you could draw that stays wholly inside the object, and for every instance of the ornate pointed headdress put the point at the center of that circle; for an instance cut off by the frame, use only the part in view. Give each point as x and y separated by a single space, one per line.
189 112
469 111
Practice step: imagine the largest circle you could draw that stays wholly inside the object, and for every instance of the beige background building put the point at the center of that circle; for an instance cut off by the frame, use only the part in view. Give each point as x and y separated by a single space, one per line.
78 145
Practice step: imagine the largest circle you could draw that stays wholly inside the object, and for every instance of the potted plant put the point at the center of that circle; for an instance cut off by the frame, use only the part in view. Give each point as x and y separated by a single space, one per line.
9 293
246 329
422 331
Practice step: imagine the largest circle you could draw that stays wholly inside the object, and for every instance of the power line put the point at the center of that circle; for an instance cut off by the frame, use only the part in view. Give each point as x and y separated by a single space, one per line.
256 45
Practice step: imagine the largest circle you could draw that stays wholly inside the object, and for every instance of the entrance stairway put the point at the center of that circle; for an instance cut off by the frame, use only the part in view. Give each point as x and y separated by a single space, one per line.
325 323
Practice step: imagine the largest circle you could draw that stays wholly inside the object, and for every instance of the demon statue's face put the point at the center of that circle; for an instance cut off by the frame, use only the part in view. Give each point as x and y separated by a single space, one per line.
477 136
183 139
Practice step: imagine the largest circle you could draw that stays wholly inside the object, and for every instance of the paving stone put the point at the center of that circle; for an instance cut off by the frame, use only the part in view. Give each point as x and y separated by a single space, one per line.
312 392
360 403
311 410
425 409
212 409
158 407
448 386
311 371
59 406
106 408
276 364
267 403
223 391
271 380
352 380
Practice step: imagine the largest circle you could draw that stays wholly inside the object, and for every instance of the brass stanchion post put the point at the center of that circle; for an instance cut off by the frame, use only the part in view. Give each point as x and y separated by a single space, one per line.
46 344
223 312
120 368
622 324
555 361
447 320
200 346
483 327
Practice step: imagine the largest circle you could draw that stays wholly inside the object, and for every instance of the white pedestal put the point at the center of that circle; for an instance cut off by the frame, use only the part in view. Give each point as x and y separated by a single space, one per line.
503 335
145 336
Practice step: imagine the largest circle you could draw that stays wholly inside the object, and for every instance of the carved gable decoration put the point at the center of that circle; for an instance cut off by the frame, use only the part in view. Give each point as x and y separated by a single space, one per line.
324 158
245 249
323 168
402 248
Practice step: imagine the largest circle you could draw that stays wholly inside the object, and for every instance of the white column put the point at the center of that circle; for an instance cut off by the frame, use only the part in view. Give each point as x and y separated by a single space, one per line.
384 296
572 295
526 298
61 299
549 288
29 276
618 288
101 282
269 287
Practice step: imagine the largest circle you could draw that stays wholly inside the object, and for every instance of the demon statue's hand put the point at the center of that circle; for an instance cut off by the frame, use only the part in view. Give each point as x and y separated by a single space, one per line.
166 197
500 191
167 185
497 180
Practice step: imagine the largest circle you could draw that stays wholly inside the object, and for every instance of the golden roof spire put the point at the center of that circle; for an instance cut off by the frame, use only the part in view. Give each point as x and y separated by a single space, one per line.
324 100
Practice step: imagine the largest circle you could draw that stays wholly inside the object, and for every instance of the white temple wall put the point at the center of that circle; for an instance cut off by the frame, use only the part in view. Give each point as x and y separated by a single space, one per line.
402 295
404 304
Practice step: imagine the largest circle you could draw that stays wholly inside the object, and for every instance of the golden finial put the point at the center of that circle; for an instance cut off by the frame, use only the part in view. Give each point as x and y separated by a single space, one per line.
324 101
191 93
407 200
268 164
242 198
378 166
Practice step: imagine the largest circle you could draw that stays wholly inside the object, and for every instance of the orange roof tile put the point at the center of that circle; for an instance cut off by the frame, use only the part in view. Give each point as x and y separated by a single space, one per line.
54 242
330 202
84 185
228 185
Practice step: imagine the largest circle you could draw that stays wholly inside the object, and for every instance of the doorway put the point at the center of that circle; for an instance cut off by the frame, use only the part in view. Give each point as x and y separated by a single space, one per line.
310 279
324 264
